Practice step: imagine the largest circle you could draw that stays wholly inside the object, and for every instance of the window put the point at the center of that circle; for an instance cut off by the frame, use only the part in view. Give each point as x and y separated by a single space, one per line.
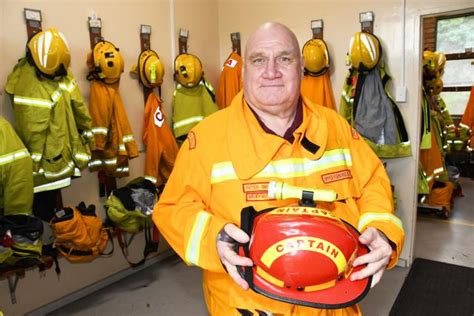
455 38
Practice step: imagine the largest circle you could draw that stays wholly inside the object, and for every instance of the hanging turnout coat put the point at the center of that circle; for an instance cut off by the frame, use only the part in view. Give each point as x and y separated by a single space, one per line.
230 80
161 146
16 173
226 164
191 106
367 106
319 90
114 140
50 115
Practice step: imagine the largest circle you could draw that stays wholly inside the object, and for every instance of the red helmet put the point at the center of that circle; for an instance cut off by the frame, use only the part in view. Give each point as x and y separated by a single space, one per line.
303 255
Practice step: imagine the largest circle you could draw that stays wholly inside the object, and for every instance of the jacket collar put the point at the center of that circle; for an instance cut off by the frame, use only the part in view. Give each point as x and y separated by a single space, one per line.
251 148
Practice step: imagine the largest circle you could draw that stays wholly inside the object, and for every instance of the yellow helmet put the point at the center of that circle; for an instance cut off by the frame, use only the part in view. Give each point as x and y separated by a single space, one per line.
440 62
434 86
429 65
50 52
106 62
150 69
188 70
316 57
365 51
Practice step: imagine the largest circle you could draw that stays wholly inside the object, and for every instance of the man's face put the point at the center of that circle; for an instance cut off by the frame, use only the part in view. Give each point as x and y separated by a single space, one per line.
272 70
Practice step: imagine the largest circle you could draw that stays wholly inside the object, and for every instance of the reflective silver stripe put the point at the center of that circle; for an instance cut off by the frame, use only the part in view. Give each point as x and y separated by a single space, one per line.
122 147
95 163
36 156
82 156
112 161
194 242
41 103
287 168
127 138
77 172
52 185
346 97
65 170
367 218
39 172
68 86
56 96
12 156
152 179
187 121
438 170
100 130
87 134
122 170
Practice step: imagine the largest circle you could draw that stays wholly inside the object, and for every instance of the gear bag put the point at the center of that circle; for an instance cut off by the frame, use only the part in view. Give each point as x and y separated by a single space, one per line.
129 210
21 233
79 233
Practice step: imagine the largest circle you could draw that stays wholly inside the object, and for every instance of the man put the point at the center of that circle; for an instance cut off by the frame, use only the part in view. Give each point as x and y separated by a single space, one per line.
271 133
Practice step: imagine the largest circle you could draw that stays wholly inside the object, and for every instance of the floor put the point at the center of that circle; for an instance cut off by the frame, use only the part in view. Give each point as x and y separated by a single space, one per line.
172 288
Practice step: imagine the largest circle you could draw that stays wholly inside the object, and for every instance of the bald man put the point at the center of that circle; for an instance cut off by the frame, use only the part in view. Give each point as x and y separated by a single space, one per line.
271 133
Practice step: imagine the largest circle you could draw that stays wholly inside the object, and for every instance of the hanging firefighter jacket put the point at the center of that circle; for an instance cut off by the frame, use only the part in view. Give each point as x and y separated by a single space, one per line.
161 146
16 173
319 90
115 143
53 122
190 106
467 119
431 159
367 106
230 80
316 84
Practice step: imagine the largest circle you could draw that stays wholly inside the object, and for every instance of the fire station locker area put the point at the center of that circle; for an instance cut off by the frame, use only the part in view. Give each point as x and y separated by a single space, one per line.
105 169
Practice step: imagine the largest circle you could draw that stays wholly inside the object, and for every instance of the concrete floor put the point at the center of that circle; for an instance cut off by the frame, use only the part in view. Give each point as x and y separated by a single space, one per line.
172 288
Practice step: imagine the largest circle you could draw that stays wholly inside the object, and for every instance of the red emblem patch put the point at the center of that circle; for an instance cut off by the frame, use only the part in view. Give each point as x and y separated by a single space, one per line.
336 176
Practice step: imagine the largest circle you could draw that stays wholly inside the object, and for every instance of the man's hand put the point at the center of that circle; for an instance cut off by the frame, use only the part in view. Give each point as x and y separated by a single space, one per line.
377 259
227 238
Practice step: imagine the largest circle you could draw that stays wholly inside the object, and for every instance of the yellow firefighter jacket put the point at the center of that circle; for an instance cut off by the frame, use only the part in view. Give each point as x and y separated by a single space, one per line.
161 147
16 168
226 164
319 90
113 135
190 106
49 115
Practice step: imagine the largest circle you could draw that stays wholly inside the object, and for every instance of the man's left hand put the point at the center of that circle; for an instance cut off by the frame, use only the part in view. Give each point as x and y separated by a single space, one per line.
377 259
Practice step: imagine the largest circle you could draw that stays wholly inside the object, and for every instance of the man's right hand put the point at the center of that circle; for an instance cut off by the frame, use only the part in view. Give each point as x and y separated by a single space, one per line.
230 259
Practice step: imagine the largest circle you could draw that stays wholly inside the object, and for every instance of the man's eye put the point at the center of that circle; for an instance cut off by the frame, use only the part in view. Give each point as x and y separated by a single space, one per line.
284 60
258 61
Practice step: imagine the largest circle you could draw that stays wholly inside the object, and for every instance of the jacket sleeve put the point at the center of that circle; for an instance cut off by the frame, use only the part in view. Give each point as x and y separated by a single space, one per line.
100 108
182 213
16 173
32 122
81 113
376 200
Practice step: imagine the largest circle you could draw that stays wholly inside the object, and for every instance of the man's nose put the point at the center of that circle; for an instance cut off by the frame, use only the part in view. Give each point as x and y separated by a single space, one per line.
271 70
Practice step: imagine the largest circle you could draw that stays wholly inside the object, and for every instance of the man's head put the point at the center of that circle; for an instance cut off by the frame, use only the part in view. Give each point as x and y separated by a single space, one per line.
273 67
